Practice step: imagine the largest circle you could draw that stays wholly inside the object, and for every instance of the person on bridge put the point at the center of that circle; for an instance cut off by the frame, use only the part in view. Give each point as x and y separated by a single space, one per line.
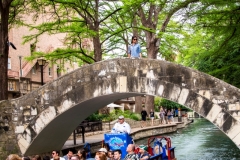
151 116
144 117
121 126
134 50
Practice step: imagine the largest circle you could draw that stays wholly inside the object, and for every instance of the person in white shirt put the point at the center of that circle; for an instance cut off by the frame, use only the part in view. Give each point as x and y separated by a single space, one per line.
121 126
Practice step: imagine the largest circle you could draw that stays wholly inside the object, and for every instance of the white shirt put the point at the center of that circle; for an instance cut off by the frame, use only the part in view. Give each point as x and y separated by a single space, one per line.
60 158
121 128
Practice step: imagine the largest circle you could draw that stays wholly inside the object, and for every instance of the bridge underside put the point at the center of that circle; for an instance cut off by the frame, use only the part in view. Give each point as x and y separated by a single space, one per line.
55 134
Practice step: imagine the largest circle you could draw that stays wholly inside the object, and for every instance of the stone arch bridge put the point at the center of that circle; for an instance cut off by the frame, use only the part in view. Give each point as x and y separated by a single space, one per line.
44 119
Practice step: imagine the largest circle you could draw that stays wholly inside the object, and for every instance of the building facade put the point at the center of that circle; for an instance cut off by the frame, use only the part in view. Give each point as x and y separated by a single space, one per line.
25 76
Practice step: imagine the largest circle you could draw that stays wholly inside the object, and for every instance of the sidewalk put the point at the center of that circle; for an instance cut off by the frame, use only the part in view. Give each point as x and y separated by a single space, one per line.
99 137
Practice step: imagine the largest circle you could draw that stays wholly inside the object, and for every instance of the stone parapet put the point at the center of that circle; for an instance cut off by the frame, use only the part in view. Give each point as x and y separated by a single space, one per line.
8 139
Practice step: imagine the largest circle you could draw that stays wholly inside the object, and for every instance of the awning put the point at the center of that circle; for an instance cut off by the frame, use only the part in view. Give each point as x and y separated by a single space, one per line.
113 105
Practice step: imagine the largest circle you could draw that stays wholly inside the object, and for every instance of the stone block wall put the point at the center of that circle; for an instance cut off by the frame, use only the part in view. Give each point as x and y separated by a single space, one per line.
8 140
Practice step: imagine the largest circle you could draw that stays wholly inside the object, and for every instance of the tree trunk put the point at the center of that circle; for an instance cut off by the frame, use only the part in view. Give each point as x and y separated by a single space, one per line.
97 49
152 45
152 51
149 103
4 49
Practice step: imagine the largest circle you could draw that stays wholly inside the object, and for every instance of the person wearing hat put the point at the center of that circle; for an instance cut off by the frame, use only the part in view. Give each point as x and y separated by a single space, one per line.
121 126
103 150
143 154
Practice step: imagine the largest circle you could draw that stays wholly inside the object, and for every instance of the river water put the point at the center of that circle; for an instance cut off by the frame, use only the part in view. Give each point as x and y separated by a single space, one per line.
201 140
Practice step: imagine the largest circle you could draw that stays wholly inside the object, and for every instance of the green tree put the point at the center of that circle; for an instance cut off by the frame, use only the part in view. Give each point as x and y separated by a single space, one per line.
80 20
154 20
214 49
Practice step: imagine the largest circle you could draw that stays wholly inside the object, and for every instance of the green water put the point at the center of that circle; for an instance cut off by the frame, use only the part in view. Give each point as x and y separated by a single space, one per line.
201 140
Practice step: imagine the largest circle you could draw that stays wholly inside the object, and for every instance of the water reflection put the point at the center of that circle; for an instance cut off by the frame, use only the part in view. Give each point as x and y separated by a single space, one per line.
201 140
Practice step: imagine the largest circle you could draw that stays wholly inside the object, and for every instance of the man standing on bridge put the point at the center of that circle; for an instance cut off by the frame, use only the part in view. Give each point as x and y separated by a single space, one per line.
121 126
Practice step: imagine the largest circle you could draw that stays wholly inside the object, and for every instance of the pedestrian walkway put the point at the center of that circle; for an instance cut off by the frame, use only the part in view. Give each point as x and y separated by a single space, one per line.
99 137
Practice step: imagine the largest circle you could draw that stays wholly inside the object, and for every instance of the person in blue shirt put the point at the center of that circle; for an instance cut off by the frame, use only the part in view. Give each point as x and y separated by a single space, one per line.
134 50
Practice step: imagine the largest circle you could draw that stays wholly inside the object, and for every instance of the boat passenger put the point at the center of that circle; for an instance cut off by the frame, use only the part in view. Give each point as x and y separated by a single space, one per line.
69 155
100 156
75 157
143 154
121 126
110 155
82 154
131 155
55 154
103 150
117 154
36 157
25 158
44 158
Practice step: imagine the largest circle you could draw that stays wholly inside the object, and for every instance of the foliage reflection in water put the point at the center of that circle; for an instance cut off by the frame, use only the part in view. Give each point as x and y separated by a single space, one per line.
201 140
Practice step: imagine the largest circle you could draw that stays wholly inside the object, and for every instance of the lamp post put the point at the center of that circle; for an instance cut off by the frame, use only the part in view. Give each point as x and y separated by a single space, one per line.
20 65
41 63
20 73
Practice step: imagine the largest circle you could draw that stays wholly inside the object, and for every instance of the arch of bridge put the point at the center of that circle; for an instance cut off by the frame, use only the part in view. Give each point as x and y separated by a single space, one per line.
45 118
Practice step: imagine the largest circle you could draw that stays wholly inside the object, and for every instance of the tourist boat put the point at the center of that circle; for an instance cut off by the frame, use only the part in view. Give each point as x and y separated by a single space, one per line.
159 147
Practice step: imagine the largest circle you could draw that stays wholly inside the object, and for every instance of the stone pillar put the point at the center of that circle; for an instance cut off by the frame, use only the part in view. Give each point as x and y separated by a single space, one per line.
138 104
8 140
149 103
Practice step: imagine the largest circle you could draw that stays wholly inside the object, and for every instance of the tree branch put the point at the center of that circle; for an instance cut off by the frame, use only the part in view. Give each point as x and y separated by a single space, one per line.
174 10
110 15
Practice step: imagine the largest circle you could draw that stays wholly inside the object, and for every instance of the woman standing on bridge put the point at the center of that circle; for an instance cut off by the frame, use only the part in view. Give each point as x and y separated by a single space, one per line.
134 50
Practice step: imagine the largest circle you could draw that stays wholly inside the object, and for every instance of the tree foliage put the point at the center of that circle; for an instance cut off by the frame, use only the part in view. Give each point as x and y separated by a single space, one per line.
167 104
79 20
213 46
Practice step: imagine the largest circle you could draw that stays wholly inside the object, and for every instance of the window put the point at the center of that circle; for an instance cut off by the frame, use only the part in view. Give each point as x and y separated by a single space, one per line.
11 85
34 69
32 48
9 63
50 71
58 71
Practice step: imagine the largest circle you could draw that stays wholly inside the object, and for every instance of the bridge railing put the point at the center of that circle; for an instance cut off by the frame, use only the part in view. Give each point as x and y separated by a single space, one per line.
87 126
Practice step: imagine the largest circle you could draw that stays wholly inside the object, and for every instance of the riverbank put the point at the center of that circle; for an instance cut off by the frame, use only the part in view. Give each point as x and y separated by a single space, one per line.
95 138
